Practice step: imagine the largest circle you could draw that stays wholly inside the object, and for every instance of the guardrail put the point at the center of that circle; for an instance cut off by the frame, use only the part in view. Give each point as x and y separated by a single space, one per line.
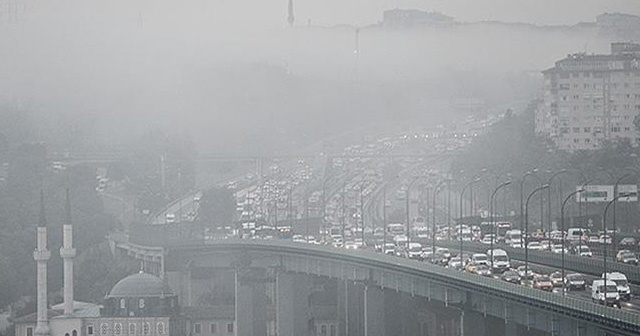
585 265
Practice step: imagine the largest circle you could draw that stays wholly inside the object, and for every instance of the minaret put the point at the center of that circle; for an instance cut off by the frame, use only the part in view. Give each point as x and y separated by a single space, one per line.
67 252
41 255
290 17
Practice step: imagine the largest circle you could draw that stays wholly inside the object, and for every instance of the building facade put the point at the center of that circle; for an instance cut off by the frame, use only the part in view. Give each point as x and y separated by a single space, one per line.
588 100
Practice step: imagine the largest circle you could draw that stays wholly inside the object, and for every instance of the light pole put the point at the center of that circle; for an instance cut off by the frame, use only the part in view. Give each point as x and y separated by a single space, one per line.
407 196
324 210
526 229
436 190
384 217
549 201
615 193
460 224
564 289
604 229
493 223
524 177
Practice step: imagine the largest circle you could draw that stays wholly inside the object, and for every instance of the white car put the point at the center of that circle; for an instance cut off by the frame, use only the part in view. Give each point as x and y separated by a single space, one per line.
534 245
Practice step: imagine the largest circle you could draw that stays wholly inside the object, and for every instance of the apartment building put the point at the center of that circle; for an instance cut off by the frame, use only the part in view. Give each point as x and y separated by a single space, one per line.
590 99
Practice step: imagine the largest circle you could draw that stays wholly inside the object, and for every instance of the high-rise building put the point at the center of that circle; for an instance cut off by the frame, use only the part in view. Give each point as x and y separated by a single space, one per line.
590 99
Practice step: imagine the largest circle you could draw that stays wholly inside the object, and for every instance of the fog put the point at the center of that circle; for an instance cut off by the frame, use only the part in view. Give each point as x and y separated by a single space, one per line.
235 76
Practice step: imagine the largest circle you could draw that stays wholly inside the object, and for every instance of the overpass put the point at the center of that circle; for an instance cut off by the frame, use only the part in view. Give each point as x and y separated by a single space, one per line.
478 301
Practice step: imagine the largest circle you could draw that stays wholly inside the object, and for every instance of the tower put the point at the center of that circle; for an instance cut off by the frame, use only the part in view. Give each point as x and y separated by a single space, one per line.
67 252
290 17
41 255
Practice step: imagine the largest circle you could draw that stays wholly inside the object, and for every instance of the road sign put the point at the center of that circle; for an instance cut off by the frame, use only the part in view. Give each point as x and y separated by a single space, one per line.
604 193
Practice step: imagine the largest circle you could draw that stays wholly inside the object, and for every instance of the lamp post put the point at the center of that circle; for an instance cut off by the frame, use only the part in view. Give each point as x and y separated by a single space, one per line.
526 229
524 177
549 201
384 217
436 190
407 196
564 202
493 224
604 229
324 210
460 224
615 193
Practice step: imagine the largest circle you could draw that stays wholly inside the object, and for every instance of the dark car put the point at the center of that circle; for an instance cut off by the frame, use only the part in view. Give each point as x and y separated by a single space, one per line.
511 276
574 281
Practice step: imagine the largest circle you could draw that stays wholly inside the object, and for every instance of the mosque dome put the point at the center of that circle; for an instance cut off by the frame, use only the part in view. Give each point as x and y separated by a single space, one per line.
140 285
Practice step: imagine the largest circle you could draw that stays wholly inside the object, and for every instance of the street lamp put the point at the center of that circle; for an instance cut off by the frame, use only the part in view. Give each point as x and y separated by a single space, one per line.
460 224
407 195
436 190
493 223
549 200
604 229
615 193
563 234
324 210
526 229
524 177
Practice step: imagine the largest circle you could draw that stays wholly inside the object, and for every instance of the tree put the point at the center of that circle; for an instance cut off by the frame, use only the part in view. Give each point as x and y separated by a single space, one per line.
217 207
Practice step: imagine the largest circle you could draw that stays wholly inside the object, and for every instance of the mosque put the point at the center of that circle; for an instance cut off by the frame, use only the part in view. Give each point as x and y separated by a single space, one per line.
139 304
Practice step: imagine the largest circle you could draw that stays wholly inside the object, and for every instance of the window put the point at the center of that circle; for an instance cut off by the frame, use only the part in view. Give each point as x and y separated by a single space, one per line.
586 74
576 130
66 334
197 328
132 328
141 303
123 303
575 75
74 333
615 129
334 330
229 327
117 328
323 330
587 129
587 140
29 331
103 329
145 328
89 330
627 129
160 328
214 328
576 140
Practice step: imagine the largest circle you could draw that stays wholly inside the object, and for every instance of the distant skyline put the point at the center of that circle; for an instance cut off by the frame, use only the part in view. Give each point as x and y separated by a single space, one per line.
542 12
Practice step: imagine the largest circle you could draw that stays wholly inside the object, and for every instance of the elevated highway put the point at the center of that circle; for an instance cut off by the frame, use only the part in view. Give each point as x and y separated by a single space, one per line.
520 309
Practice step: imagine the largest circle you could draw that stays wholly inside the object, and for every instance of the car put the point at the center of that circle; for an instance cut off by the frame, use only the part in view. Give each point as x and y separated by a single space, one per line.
558 248
455 263
480 258
574 281
534 245
444 252
605 295
527 280
627 257
389 248
556 278
170 218
545 244
511 276
486 240
482 269
583 251
542 282
627 241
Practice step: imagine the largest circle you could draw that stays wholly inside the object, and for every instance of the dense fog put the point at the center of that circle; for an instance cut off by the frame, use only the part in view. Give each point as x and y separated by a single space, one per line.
233 73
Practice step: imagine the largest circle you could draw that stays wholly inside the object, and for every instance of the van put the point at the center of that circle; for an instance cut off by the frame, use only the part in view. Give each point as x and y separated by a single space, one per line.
609 297
500 260
576 234
479 258
621 283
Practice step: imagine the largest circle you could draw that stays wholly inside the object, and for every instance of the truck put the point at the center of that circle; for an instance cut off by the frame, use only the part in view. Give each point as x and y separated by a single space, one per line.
513 237
500 260
607 296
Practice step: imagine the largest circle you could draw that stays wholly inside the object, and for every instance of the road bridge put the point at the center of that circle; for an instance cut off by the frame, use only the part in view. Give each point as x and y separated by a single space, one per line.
479 301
